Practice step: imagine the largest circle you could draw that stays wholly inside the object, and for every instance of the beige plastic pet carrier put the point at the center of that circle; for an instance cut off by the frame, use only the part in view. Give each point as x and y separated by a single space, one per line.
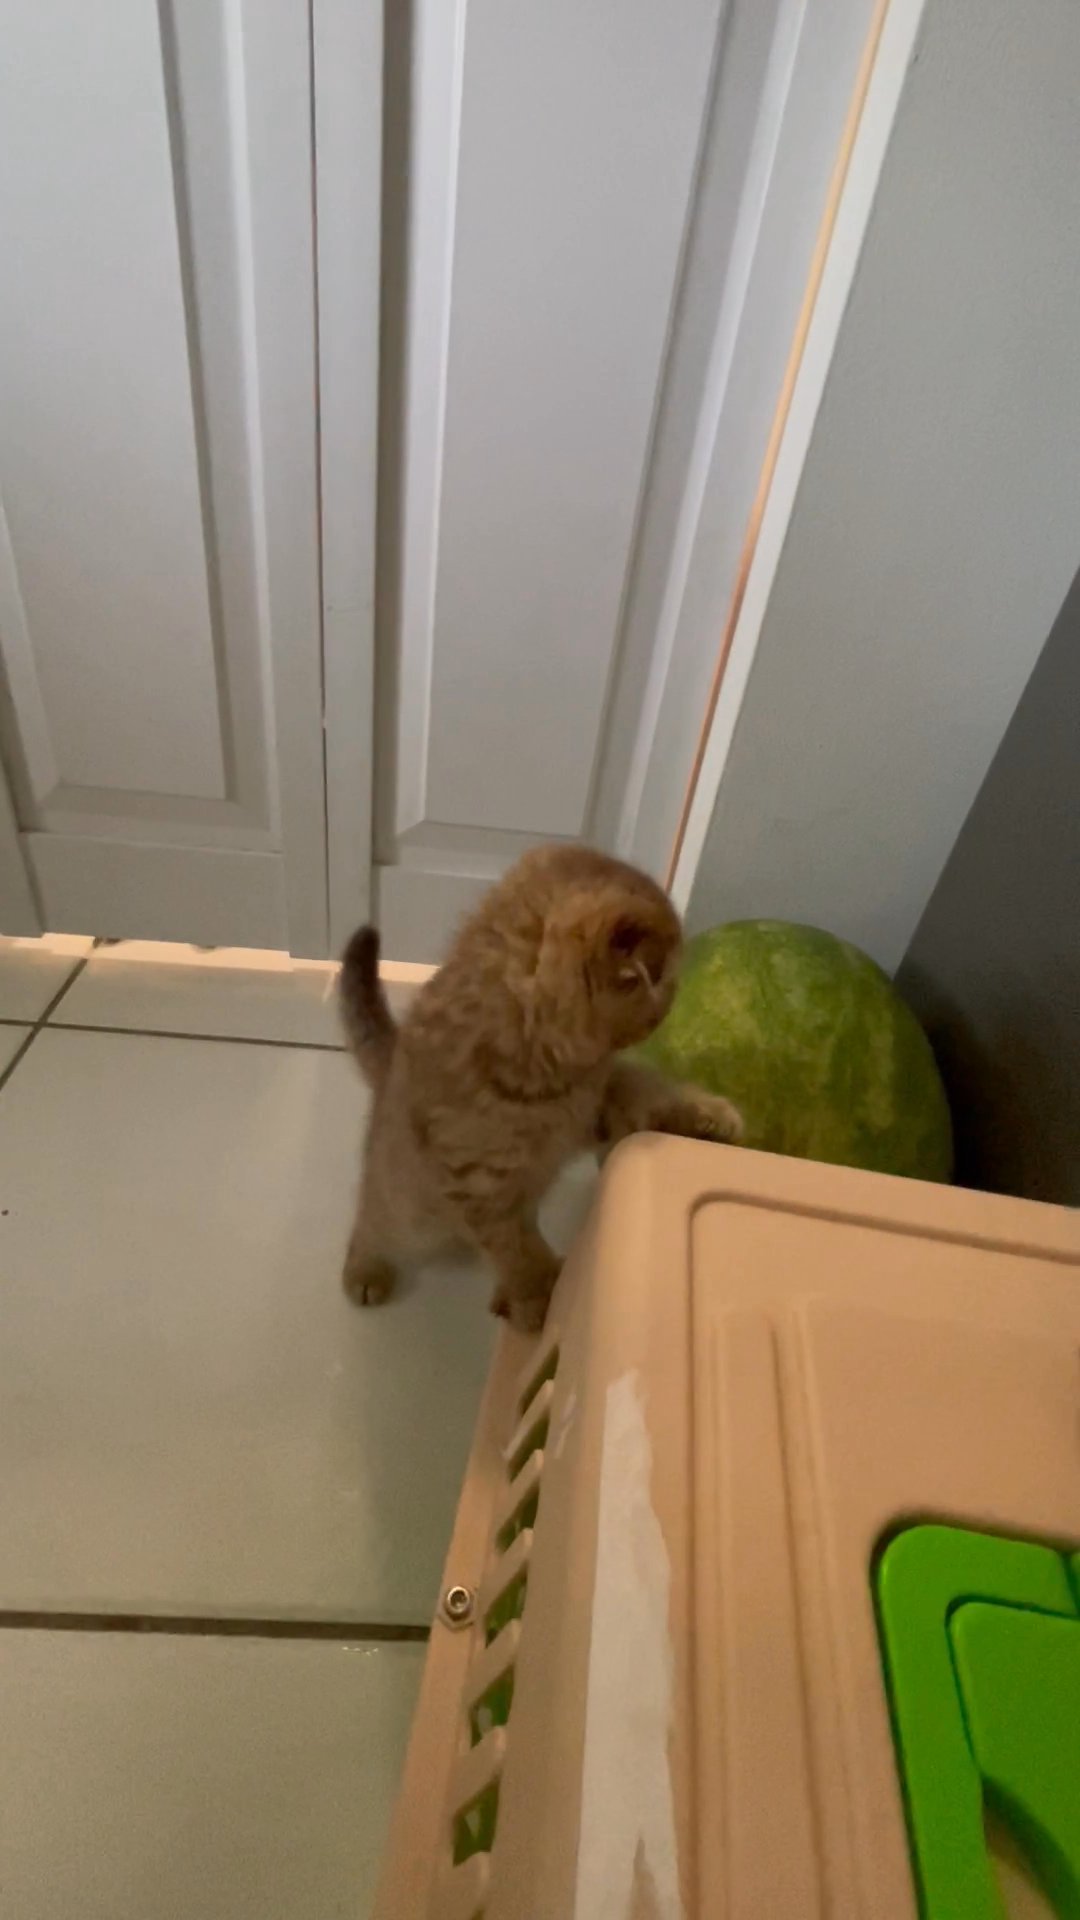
763 1598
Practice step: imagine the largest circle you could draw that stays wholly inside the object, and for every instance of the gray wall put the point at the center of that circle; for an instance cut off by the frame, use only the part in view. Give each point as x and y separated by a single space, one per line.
994 966
934 532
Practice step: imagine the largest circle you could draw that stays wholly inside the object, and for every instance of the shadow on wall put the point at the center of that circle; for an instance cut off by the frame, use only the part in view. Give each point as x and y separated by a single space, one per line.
993 970
1015 1099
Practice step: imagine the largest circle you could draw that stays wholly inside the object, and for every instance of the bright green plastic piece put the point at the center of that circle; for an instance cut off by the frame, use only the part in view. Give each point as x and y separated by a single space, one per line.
922 1577
1019 1675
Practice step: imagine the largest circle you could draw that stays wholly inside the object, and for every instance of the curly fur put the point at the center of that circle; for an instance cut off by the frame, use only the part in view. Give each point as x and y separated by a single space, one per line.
507 1065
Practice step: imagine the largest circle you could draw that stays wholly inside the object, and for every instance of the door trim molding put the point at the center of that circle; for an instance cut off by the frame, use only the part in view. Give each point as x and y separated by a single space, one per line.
783 407
860 158
806 80
275 62
347 65
18 907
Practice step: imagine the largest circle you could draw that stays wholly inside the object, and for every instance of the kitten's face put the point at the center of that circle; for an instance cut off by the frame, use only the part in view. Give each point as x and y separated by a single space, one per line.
611 959
635 972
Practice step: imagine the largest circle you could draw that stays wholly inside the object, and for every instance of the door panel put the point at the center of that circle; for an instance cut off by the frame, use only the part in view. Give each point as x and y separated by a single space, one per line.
98 458
563 276
159 587
550 174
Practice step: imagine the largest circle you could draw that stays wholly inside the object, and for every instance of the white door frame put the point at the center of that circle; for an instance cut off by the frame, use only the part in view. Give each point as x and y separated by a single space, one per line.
347 40
919 534
809 83
278 55
860 153
18 908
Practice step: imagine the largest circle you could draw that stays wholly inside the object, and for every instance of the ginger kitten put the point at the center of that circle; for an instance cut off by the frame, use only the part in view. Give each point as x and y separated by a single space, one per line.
506 1066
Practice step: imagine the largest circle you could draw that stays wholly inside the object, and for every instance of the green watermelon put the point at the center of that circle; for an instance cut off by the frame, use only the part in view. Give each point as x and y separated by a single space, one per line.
811 1041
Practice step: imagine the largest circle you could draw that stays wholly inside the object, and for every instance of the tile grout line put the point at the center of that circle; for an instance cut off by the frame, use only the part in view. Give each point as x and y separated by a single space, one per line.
211 1626
63 988
161 1033
174 1033
37 1024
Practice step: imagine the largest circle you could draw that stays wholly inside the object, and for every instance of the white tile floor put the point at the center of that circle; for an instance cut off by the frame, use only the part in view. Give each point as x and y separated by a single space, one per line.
179 1777
32 972
195 1424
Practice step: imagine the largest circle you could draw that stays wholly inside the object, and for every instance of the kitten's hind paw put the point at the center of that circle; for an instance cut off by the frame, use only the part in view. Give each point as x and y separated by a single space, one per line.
528 1316
525 1315
368 1282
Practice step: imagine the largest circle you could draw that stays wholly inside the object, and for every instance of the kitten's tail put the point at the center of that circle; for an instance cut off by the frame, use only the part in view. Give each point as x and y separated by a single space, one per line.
369 1024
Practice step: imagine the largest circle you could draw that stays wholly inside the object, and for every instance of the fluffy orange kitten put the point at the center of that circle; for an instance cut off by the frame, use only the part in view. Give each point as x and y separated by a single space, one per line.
507 1065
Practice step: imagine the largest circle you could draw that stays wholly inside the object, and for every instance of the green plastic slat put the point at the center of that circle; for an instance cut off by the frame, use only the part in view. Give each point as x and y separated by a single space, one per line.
921 1577
1019 1675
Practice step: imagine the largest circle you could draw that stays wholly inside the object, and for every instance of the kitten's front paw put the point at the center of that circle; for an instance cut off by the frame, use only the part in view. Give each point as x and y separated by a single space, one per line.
368 1284
720 1120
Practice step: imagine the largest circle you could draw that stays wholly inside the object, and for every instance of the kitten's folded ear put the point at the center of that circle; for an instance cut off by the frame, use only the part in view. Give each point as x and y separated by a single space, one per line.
626 934
642 939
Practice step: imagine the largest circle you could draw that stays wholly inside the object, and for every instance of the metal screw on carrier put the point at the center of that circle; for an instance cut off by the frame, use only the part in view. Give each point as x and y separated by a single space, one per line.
457 1606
